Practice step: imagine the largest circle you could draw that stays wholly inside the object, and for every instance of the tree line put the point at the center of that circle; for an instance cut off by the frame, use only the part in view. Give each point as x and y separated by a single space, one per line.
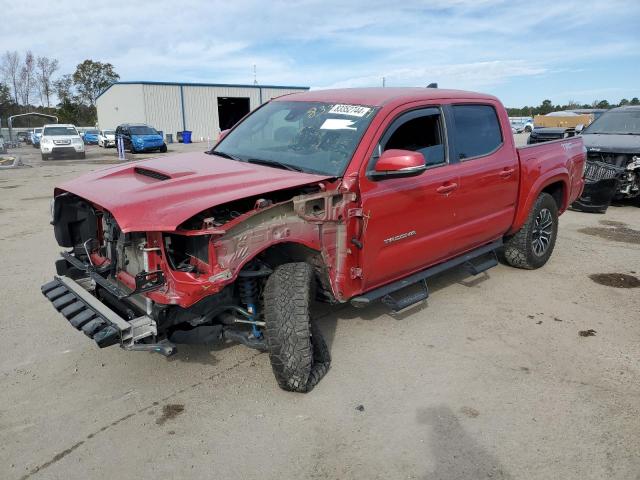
547 106
29 83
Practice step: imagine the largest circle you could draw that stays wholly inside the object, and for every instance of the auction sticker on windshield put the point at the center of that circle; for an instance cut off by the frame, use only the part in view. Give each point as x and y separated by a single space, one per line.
351 110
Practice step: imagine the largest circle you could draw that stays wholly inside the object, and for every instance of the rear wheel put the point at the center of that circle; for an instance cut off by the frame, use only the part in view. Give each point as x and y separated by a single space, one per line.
298 353
532 246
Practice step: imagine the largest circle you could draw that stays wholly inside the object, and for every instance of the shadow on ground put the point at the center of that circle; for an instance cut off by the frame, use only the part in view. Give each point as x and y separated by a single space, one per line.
457 456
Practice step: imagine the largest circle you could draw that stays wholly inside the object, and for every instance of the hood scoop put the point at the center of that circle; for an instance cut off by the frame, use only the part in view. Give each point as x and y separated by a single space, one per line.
151 173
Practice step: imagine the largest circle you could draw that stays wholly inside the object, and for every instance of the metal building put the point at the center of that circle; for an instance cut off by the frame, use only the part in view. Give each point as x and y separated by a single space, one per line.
203 108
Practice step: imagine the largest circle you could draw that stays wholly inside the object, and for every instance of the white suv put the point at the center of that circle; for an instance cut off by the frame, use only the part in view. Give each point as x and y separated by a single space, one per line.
61 139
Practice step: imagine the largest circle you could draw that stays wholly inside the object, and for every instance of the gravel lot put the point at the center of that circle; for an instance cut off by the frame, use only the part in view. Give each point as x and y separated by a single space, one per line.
489 379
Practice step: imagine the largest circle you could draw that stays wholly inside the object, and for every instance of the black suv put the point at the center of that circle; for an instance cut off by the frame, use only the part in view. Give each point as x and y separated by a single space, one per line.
138 137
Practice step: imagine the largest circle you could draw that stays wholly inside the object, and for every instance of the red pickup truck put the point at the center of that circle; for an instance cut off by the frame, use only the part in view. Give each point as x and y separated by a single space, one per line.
335 195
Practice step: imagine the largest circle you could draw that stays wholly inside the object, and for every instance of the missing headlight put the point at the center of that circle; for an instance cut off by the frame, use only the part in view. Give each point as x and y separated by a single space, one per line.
187 253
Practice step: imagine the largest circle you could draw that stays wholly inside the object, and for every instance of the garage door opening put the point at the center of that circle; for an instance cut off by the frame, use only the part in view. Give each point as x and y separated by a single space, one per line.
231 110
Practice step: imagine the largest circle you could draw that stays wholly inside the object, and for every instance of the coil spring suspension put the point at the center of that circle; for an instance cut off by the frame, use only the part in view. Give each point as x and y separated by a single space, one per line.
248 290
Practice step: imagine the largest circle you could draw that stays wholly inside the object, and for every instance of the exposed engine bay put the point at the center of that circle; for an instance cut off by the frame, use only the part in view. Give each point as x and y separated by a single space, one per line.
204 281
627 167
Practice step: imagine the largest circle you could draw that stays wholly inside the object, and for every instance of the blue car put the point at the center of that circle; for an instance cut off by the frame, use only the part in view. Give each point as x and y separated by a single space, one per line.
35 137
91 137
140 138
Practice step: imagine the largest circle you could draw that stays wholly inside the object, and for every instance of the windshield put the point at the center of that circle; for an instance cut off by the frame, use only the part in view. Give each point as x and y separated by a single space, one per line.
37 130
108 132
308 136
616 122
91 132
51 131
144 130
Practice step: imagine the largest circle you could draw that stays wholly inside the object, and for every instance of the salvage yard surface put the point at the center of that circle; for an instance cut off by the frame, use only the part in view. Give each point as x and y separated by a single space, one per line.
491 378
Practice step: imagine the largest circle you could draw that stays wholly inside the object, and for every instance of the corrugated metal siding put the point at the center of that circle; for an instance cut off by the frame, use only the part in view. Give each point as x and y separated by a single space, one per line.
121 104
162 108
201 108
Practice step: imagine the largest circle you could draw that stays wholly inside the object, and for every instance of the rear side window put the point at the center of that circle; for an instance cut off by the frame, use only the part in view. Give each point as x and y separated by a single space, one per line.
477 130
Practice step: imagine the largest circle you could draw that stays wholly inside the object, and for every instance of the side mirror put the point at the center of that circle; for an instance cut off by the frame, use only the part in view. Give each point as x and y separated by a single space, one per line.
223 134
399 163
579 129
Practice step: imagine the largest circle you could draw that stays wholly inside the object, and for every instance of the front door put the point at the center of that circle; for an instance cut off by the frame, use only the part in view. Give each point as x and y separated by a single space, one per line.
408 220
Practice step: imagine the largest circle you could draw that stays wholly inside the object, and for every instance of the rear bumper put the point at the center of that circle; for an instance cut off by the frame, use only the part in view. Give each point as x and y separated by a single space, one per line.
75 302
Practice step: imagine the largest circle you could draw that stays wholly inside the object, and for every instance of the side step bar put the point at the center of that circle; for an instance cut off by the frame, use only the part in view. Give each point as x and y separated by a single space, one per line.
471 260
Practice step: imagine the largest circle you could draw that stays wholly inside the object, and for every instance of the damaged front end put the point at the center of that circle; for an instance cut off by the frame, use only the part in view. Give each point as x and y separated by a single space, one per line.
608 177
202 282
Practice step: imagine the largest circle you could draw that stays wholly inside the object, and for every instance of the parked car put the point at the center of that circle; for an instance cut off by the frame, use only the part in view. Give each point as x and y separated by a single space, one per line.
35 137
138 138
60 140
23 137
107 138
521 124
339 195
90 137
613 159
548 134
3 149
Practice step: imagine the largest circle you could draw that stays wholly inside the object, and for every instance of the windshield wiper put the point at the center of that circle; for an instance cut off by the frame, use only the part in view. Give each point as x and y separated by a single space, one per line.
275 163
224 155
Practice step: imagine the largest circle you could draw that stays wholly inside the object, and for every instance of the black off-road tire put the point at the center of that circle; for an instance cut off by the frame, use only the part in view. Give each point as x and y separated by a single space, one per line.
518 250
298 353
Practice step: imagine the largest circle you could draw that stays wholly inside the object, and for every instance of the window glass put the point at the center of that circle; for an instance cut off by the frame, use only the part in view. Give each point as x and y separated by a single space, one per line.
477 130
313 137
50 131
421 134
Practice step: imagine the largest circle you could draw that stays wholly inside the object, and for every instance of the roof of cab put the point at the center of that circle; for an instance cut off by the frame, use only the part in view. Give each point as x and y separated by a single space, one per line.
380 96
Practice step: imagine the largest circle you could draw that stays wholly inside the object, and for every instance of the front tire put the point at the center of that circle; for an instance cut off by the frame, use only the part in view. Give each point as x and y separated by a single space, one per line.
532 246
163 148
44 157
298 353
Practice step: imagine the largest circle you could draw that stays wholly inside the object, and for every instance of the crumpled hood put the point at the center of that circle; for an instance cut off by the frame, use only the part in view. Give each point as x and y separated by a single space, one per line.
612 143
160 194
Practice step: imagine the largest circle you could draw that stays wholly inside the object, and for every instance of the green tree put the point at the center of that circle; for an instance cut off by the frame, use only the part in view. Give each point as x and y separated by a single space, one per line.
546 107
91 78
634 101
624 101
603 104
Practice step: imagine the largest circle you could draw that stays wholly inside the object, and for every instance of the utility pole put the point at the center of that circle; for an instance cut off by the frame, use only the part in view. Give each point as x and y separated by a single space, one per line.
255 76
383 82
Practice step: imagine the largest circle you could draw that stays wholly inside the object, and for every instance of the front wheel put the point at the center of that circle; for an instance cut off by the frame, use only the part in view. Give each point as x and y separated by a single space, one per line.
163 148
298 353
532 246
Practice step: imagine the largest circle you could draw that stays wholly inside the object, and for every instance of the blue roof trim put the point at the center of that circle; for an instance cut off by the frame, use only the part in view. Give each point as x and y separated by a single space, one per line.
183 84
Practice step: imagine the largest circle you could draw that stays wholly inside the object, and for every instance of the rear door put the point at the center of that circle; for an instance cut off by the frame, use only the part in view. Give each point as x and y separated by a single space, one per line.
408 220
488 172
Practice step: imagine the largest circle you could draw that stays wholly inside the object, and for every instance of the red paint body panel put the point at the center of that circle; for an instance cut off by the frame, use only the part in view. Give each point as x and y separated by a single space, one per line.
447 210
198 181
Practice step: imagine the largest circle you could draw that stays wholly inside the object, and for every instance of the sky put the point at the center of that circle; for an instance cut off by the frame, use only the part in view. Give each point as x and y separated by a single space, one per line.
521 51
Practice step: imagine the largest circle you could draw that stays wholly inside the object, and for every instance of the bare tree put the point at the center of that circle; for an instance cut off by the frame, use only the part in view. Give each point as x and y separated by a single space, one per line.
63 88
44 71
27 78
10 68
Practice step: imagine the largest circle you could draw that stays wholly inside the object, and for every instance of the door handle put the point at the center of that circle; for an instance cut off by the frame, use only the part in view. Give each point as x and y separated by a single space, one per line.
507 172
447 188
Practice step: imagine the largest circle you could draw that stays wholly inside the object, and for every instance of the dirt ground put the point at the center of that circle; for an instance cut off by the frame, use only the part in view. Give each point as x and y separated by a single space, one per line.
489 379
